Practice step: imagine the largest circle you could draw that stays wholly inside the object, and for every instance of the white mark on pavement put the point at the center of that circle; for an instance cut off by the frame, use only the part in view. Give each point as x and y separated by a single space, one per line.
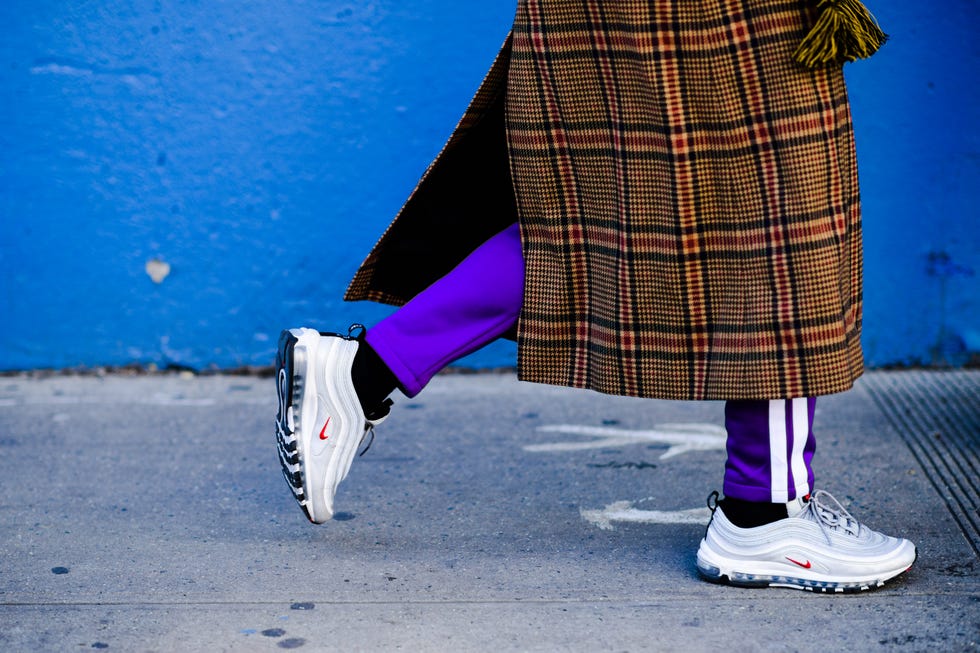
155 400
623 511
681 438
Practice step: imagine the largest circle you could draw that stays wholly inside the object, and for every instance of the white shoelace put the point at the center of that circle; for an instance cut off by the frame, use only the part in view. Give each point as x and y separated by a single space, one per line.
830 515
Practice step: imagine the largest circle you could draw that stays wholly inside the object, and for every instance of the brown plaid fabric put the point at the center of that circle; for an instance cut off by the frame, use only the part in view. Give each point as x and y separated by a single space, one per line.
687 194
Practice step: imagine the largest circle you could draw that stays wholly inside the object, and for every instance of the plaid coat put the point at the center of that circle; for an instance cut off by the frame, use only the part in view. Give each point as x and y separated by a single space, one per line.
687 196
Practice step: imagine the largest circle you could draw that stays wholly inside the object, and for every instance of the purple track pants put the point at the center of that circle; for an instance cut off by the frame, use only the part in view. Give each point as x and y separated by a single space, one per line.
770 442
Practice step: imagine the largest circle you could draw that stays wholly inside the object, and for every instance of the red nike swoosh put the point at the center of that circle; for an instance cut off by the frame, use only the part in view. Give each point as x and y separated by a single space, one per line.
323 431
805 565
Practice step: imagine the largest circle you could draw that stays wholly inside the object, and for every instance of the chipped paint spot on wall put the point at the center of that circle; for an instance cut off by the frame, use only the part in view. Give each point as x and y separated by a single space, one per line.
157 269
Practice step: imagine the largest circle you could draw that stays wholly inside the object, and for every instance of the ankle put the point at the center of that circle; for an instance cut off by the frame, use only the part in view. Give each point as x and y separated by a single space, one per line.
373 380
750 514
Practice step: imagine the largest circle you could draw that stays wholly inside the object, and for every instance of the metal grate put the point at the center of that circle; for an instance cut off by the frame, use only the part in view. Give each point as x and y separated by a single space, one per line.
938 416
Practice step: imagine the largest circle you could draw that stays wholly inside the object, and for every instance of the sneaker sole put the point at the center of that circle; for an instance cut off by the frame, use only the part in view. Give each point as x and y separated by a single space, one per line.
290 384
714 574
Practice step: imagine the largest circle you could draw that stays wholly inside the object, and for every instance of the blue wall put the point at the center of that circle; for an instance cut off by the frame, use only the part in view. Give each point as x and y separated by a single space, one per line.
259 149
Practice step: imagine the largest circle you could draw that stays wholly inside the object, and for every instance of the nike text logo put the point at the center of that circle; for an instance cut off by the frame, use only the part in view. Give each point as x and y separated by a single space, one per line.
323 431
805 565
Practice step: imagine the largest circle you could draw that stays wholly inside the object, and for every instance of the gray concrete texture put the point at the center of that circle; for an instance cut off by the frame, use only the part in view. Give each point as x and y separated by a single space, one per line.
149 514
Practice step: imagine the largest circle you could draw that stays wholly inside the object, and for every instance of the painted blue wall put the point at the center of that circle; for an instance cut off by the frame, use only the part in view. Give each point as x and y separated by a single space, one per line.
917 110
258 149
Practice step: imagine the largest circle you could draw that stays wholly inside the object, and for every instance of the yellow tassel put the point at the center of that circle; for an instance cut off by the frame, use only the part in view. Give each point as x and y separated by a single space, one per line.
845 31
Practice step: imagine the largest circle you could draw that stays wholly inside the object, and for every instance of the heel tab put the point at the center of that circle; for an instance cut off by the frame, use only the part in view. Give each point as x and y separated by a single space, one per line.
359 328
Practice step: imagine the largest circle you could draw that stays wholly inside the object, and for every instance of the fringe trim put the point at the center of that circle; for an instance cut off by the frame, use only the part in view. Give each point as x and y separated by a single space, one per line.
845 31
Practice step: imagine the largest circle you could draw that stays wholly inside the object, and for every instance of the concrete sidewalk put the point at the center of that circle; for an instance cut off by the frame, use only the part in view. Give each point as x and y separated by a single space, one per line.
149 514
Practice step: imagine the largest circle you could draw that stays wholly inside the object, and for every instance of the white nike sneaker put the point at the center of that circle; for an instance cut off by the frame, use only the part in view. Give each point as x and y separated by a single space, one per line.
819 547
320 423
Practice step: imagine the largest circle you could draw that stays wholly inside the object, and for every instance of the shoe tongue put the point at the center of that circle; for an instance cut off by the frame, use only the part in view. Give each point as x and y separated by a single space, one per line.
797 506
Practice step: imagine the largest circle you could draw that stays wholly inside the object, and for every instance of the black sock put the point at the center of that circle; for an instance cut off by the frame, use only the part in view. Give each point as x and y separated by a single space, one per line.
749 514
373 381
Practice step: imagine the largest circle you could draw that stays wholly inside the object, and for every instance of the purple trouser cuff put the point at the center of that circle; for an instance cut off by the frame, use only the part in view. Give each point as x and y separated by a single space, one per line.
770 449
476 303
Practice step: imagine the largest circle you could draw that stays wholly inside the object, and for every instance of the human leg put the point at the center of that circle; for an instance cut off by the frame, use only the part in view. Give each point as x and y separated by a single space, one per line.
770 449
332 388
772 529
475 304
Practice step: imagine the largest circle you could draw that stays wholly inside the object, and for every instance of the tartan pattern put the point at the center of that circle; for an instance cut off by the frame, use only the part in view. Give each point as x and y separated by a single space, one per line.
688 200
